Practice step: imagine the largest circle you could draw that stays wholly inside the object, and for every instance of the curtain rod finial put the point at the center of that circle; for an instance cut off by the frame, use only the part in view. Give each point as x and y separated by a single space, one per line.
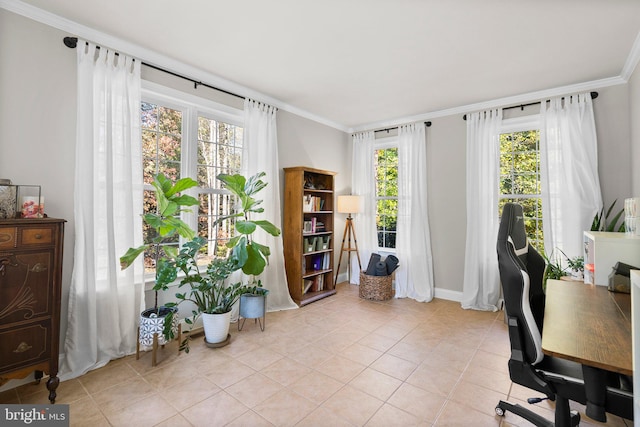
70 42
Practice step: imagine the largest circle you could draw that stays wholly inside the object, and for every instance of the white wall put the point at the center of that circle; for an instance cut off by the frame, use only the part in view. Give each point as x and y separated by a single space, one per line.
37 121
611 110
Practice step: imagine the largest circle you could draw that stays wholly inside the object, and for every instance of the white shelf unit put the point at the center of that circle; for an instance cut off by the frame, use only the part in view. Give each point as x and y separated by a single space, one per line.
603 249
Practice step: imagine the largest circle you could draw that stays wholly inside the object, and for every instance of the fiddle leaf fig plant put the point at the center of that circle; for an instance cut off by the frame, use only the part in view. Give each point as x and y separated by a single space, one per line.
166 222
247 254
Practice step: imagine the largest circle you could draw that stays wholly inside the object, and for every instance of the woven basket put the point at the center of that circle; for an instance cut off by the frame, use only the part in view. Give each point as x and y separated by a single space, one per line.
376 288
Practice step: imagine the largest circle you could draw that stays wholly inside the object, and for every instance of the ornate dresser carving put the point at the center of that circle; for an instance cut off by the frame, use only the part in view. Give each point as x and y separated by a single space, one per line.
30 288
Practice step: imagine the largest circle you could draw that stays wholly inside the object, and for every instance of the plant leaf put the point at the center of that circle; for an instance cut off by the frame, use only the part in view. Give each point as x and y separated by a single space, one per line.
255 263
239 253
185 200
181 185
165 274
268 227
132 253
245 227
234 183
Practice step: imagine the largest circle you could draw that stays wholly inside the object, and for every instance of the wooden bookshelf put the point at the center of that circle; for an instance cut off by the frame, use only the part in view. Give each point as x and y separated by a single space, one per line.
308 234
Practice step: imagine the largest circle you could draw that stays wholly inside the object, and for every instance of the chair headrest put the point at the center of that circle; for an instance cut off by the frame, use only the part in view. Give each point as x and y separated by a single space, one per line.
512 230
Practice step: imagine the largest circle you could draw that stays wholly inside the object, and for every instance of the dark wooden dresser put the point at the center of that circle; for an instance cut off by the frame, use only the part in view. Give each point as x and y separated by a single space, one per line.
30 288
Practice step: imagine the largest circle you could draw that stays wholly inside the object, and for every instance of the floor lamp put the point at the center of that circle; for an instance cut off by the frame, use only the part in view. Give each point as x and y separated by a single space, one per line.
349 205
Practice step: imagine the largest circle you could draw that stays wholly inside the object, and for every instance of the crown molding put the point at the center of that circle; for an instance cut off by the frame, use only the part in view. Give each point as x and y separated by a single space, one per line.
632 60
151 57
496 103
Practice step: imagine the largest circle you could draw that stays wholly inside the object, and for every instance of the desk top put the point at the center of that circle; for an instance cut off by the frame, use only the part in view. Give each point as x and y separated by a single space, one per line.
589 325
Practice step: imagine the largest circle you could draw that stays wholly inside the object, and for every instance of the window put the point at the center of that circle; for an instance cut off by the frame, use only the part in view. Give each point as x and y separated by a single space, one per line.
386 167
219 151
191 138
520 179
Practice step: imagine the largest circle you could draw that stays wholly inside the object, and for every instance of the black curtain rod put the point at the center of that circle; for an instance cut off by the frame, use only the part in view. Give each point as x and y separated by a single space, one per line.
427 124
72 42
594 95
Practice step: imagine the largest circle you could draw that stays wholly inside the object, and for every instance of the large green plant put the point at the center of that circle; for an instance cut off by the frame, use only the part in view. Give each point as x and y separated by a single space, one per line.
166 222
209 290
247 254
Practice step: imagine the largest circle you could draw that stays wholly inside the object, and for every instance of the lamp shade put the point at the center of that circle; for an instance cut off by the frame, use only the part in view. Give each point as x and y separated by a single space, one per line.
349 204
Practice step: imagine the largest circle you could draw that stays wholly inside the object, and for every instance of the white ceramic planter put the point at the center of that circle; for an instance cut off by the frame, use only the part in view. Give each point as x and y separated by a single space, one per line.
216 327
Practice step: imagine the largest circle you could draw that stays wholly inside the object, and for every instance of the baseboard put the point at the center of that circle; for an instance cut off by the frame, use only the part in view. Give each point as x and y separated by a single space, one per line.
448 294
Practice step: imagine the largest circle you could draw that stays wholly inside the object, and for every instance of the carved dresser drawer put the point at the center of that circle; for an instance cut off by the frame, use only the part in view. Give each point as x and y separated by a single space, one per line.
30 290
7 237
36 236
31 344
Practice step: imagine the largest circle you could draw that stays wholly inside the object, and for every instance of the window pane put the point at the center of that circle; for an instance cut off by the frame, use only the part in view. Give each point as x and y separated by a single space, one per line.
161 141
520 180
212 206
219 151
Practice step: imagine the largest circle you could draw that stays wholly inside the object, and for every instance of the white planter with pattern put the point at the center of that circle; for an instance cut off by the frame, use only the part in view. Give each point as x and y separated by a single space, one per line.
151 323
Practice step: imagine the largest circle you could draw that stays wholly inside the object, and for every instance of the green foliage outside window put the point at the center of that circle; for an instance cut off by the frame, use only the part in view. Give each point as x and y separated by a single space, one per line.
520 180
386 166
219 150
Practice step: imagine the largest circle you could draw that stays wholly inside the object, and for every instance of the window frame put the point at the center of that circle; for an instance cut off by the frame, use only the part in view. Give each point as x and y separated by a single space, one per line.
192 107
383 144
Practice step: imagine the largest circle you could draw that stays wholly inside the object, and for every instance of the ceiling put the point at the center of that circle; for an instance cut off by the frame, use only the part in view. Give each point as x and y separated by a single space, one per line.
362 63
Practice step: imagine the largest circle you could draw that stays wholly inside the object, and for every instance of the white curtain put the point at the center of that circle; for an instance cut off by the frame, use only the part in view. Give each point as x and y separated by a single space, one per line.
414 277
105 302
569 172
481 288
363 184
260 154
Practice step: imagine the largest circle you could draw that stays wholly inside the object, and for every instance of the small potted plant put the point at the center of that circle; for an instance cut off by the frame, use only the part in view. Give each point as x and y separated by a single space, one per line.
209 291
165 222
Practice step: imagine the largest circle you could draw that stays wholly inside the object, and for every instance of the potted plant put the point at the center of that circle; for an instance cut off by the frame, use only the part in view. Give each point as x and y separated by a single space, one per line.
553 270
212 296
247 254
170 202
576 265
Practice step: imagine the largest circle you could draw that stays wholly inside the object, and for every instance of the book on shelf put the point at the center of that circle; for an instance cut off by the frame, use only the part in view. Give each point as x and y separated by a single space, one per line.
317 284
325 261
317 262
306 285
312 203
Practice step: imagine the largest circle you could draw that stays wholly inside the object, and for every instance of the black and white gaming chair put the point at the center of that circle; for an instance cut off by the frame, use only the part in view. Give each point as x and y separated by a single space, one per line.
521 273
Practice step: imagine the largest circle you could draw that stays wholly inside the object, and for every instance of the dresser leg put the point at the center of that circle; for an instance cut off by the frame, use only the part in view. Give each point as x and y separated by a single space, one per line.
52 385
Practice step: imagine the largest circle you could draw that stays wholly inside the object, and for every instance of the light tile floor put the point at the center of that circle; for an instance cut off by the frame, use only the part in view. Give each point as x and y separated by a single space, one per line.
340 361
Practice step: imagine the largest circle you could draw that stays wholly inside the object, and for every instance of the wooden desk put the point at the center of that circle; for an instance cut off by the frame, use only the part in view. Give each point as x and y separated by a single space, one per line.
589 325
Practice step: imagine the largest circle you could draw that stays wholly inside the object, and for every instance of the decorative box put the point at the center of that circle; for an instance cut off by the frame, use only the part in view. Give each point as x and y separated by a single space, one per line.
30 201
8 199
